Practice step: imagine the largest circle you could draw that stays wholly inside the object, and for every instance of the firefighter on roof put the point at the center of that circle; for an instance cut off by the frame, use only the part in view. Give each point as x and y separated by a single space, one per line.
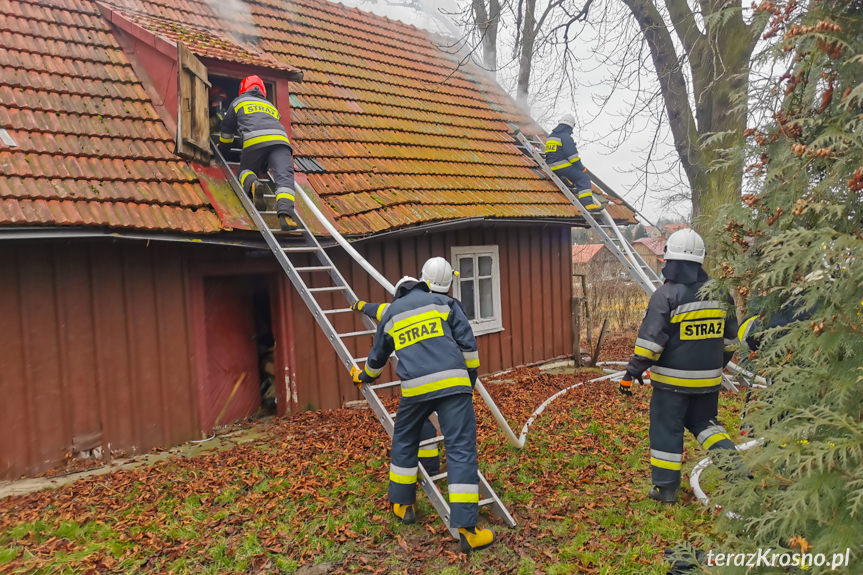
562 157
265 146
433 341
686 341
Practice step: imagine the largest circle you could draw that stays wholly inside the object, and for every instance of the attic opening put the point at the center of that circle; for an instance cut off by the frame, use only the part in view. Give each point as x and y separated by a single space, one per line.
223 90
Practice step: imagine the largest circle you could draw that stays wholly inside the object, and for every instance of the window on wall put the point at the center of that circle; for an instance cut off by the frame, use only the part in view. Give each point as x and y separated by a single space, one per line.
478 286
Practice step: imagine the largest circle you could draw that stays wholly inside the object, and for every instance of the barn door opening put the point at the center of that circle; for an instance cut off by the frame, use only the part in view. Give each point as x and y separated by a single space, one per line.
238 372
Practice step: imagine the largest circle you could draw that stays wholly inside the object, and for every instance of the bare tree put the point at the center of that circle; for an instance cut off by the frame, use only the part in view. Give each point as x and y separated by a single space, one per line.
688 61
486 20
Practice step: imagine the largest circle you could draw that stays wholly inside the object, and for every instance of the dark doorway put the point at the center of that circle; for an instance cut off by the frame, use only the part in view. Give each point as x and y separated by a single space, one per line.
238 349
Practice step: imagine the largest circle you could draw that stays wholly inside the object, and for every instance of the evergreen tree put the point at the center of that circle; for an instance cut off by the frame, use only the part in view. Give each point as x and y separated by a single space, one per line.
793 250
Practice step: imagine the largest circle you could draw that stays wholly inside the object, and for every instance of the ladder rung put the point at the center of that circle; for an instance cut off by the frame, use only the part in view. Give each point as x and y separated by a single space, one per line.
340 310
313 268
331 289
431 440
393 415
384 385
300 249
438 477
488 501
268 213
358 333
360 359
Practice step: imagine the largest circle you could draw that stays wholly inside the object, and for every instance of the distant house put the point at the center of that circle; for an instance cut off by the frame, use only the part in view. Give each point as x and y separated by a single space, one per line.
137 297
652 250
596 263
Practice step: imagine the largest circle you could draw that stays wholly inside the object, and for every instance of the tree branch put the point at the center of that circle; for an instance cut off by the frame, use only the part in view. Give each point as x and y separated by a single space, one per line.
684 24
671 82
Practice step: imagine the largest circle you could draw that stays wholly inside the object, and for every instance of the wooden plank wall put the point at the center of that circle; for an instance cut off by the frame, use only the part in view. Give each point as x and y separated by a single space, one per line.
535 267
95 351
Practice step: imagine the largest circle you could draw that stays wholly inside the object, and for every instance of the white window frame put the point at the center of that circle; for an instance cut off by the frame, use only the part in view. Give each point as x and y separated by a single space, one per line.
495 323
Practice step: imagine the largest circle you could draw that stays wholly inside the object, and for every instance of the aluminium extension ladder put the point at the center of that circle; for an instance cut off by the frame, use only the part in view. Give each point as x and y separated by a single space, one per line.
296 274
609 233
601 222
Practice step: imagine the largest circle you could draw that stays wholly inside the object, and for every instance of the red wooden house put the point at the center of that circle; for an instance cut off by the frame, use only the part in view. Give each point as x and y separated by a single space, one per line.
135 295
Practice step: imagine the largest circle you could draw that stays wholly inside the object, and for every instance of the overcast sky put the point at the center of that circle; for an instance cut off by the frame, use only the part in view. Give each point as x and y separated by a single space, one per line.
614 157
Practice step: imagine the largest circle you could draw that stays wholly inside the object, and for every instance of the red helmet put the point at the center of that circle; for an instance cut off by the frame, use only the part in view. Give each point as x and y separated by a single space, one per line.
250 82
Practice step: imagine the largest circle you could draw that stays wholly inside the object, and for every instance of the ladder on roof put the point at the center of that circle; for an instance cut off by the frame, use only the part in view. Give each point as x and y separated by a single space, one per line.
609 233
601 222
299 274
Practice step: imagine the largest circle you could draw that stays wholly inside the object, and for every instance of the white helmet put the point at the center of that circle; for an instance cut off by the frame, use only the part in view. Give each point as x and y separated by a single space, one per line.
403 281
567 119
685 245
437 273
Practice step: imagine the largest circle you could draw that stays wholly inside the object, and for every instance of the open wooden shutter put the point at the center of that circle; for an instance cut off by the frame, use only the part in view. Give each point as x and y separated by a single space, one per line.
193 124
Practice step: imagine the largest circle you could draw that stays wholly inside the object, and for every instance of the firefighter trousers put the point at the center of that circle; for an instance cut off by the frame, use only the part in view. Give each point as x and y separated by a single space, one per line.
429 454
458 425
279 160
670 414
580 182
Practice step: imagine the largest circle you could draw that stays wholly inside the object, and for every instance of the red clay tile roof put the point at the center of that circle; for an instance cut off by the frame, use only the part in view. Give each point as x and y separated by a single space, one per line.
656 245
235 47
583 253
403 137
402 134
91 150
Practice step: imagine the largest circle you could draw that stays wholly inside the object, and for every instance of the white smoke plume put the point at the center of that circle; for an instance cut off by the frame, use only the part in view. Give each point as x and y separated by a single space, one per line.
237 18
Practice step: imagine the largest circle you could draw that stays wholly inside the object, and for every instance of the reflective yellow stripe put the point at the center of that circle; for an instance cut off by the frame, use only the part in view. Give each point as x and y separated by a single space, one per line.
698 314
262 139
744 327
672 465
644 352
584 194
284 196
417 319
714 438
464 497
559 166
403 479
372 372
381 309
708 382
472 363
429 452
435 386
225 140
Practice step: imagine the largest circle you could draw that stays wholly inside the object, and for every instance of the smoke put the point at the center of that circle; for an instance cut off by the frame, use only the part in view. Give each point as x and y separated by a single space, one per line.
237 18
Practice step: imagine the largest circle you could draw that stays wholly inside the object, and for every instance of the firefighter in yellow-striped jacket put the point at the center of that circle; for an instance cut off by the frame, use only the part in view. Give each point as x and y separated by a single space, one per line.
562 157
433 341
265 145
438 274
686 341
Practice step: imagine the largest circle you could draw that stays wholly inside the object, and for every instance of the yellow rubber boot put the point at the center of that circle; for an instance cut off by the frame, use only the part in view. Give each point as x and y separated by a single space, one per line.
473 539
405 512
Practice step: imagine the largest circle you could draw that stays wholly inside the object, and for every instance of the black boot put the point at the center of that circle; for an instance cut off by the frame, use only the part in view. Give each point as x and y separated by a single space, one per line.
285 224
664 493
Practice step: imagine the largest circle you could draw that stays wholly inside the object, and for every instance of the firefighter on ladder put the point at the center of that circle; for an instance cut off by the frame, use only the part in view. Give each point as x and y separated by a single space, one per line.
438 274
562 157
686 341
433 341
265 146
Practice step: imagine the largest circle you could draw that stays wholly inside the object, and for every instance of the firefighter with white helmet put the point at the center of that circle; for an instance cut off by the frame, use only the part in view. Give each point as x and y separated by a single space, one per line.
685 340
434 343
438 274
562 157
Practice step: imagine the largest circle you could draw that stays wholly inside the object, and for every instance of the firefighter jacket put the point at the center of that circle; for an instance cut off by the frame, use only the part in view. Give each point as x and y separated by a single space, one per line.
561 155
256 120
376 312
433 341
685 340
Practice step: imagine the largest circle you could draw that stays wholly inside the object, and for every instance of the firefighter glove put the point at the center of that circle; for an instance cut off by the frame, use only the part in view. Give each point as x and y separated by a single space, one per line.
625 386
358 305
356 376
472 374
